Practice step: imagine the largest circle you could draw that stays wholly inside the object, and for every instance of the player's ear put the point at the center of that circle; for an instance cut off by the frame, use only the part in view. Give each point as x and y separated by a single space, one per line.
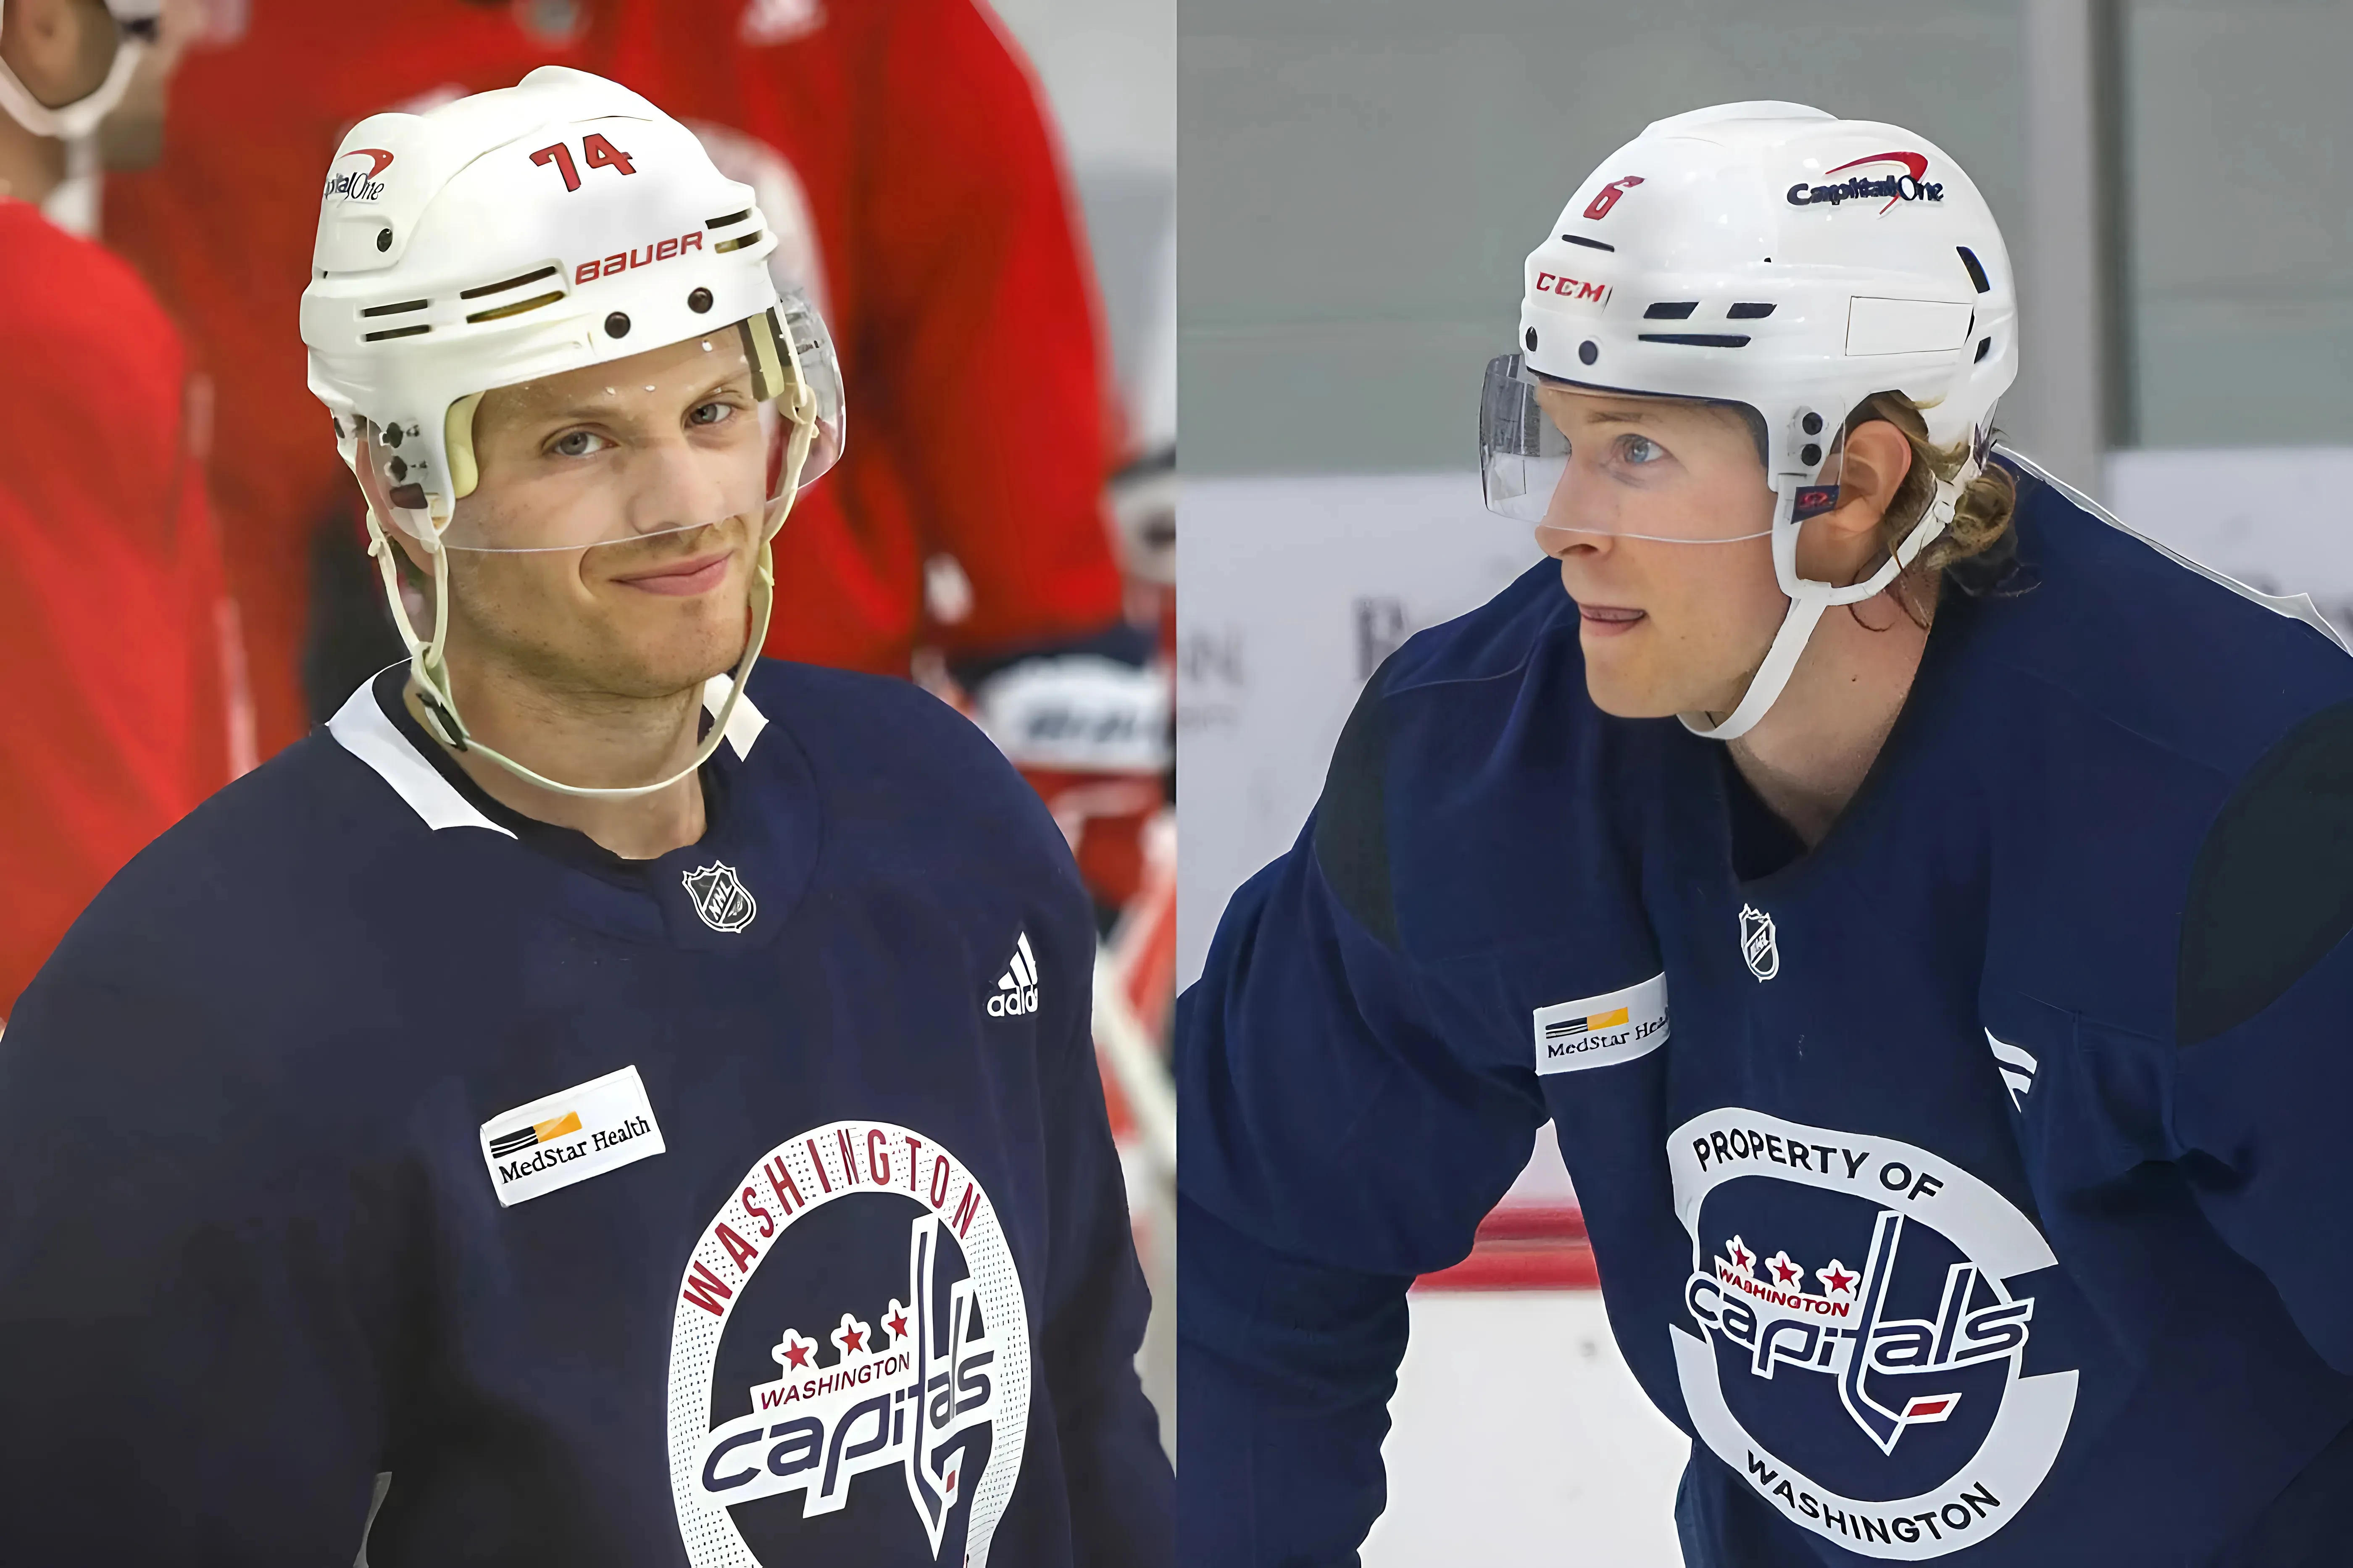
1874 459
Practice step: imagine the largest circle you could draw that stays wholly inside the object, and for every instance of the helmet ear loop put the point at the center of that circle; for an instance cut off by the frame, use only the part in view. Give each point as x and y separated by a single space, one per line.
428 667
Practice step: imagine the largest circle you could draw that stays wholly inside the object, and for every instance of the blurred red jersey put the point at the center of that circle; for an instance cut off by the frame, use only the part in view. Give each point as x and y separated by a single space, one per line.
946 261
114 633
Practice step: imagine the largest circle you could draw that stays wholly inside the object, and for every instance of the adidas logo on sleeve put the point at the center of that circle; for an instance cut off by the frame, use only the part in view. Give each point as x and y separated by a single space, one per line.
1017 988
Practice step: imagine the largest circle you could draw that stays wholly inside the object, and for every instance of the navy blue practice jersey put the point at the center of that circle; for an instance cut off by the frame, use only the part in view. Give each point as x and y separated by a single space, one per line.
368 1142
1971 1185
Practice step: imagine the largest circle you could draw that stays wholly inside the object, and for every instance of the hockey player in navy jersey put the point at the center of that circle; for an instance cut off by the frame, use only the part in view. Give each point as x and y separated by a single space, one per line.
609 1099
1947 1024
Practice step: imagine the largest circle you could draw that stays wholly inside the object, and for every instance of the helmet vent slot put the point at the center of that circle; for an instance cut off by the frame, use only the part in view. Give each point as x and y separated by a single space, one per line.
1698 340
395 332
1985 347
396 309
502 288
1671 310
517 309
738 243
1976 269
1749 312
1593 244
724 222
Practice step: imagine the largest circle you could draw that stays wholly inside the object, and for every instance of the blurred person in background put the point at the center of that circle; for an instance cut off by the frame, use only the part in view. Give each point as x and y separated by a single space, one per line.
920 202
117 646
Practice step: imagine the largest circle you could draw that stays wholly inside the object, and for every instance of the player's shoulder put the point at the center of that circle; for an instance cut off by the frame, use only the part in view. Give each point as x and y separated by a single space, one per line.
2137 639
886 752
1465 732
1448 695
69 293
2220 722
853 720
244 907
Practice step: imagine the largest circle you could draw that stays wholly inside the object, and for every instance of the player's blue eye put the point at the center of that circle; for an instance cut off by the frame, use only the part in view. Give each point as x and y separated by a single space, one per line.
710 414
1640 449
575 444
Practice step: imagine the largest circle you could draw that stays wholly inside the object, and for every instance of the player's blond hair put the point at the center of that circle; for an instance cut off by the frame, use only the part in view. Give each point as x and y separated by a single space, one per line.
1982 517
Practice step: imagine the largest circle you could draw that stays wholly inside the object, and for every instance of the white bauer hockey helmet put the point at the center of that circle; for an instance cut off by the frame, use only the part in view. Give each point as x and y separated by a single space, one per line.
136 22
524 233
1773 256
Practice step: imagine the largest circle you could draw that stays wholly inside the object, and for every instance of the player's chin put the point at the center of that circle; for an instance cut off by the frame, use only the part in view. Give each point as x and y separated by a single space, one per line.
1623 679
671 643
672 666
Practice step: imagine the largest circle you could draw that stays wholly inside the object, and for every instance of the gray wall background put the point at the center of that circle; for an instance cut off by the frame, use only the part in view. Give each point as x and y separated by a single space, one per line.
1360 178
2239 146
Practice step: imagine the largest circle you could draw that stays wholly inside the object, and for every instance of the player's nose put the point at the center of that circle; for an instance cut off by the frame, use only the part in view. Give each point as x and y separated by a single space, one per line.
1576 518
674 485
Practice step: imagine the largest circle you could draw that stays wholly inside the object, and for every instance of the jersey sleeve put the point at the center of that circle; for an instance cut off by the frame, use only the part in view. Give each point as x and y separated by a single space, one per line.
1121 1491
1334 1147
980 321
2263 1019
197 1312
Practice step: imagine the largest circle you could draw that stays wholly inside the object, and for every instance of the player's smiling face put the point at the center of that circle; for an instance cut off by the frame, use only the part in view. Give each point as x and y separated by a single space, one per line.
1659 524
660 455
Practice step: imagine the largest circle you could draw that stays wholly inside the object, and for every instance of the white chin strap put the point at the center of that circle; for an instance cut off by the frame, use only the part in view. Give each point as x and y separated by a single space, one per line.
80 118
1809 598
430 671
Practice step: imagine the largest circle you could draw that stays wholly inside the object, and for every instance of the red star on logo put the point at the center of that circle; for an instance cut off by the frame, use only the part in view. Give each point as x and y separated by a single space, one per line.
793 1350
1837 1278
850 1338
897 1323
1743 1261
1783 1271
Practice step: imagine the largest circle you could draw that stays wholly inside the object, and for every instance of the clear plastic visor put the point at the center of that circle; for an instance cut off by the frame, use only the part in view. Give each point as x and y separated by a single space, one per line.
716 431
1608 479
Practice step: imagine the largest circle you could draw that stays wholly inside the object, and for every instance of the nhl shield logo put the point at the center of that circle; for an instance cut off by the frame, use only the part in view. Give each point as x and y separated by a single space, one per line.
1758 943
720 897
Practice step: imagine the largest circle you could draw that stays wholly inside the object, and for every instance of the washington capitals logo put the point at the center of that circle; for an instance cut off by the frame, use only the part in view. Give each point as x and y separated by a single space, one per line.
842 1367
360 184
906 1392
1843 1332
1912 185
1868 1374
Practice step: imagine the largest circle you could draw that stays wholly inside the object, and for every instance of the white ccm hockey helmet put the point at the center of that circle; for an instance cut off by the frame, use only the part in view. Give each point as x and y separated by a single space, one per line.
1769 255
136 21
524 233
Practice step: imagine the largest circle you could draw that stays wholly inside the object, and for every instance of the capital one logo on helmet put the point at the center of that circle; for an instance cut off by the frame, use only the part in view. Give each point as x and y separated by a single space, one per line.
360 184
1912 185
1867 1377
927 1377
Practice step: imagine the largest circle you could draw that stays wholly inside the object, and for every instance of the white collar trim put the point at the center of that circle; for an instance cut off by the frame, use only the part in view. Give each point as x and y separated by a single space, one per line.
362 728
748 721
